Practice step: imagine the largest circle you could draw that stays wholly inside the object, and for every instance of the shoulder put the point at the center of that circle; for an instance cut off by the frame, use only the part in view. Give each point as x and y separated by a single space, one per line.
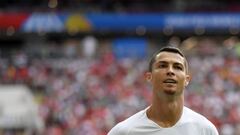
201 121
123 127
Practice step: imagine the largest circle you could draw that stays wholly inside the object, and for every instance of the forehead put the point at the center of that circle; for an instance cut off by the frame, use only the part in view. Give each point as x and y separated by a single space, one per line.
169 57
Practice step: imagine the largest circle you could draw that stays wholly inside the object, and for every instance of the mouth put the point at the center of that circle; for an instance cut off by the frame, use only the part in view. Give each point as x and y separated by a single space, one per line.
170 81
170 86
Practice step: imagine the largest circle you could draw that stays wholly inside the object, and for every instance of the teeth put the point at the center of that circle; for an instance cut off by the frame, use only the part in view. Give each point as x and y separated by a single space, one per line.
169 81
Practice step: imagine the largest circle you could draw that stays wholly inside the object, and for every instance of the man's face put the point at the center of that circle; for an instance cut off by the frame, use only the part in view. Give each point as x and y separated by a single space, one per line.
169 76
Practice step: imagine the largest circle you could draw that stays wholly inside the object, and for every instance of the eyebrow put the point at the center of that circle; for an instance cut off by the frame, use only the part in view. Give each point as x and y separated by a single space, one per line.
165 62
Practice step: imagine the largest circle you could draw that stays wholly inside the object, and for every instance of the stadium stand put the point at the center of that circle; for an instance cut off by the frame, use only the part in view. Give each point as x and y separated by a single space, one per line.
86 76
88 94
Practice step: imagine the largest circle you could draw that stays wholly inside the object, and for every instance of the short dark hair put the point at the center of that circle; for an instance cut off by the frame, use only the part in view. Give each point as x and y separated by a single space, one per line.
167 49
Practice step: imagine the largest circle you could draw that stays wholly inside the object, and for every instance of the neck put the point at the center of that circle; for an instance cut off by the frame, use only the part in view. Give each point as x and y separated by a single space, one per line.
166 113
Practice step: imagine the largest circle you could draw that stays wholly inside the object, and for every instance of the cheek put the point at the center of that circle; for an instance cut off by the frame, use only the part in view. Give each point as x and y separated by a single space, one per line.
182 79
156 80
157 76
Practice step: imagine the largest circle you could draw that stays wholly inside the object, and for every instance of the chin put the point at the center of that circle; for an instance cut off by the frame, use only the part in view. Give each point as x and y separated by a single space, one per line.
170 92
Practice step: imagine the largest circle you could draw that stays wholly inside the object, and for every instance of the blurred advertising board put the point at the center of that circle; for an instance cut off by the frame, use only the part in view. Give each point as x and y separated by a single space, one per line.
175 21
43 22
14 20
119 22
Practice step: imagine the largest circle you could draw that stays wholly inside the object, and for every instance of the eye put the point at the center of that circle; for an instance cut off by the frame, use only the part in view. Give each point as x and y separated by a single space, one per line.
179 67
162 65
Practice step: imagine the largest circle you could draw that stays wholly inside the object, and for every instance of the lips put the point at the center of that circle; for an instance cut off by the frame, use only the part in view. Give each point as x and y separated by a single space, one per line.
170 81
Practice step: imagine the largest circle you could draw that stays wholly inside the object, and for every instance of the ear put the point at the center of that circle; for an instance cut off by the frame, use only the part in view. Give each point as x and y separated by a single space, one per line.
187 80
148 76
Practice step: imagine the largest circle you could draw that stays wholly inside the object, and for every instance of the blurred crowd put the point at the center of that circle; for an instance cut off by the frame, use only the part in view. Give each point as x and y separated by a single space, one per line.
88 94
122 6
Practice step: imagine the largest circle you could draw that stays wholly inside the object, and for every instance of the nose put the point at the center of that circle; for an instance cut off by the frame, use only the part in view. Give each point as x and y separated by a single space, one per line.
170 71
